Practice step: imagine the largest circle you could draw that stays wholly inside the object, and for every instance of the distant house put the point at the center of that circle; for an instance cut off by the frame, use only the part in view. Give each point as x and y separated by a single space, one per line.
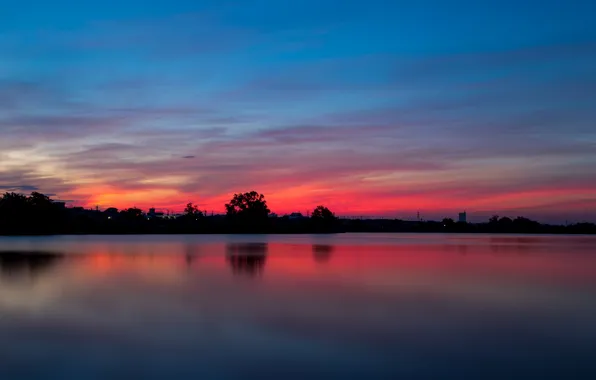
153 214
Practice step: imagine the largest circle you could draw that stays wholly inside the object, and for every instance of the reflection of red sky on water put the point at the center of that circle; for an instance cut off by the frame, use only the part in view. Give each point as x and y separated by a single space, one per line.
456 261
299 262
107 263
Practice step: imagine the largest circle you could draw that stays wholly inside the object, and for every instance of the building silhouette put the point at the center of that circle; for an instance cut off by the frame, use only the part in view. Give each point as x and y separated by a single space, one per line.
463 217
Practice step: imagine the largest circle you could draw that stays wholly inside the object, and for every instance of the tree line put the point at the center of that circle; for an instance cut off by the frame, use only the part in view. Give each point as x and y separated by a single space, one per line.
245 213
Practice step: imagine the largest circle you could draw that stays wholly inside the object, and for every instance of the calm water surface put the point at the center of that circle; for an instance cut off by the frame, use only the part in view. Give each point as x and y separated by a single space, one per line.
295 307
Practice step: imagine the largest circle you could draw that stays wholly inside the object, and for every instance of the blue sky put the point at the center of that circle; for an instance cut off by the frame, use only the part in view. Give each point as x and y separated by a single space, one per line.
431 105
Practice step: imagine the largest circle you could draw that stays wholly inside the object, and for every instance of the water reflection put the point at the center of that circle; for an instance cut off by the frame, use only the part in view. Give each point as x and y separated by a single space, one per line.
33 263
192 251
322 252
247 258
189 259
130 307
511 248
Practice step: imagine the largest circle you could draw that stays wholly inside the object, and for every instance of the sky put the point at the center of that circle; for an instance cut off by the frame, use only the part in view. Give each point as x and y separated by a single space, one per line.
372 108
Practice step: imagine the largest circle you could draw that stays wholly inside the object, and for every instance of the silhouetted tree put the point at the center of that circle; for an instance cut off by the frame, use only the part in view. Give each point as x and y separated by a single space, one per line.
494 219
132 213
323 220
522 224
448 222
39 200
504 224
582 228
34 214
192 211
14 213
250 205
505 221
322 212
13 200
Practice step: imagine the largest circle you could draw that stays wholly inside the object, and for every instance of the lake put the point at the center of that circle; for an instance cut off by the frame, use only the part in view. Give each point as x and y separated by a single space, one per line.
348 306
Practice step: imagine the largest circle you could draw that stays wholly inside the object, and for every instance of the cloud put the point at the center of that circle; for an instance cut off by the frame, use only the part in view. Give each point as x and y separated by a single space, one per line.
323 160
542 75
26 180
303 134
18 188
23 95
58 127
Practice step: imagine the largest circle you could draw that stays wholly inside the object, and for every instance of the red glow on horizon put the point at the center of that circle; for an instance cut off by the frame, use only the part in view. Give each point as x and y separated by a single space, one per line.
352 202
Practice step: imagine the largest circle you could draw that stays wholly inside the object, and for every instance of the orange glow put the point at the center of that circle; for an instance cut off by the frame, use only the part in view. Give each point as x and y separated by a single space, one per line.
353 201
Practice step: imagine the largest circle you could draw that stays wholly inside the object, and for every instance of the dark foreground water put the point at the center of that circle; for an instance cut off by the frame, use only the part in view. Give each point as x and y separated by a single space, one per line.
298 307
